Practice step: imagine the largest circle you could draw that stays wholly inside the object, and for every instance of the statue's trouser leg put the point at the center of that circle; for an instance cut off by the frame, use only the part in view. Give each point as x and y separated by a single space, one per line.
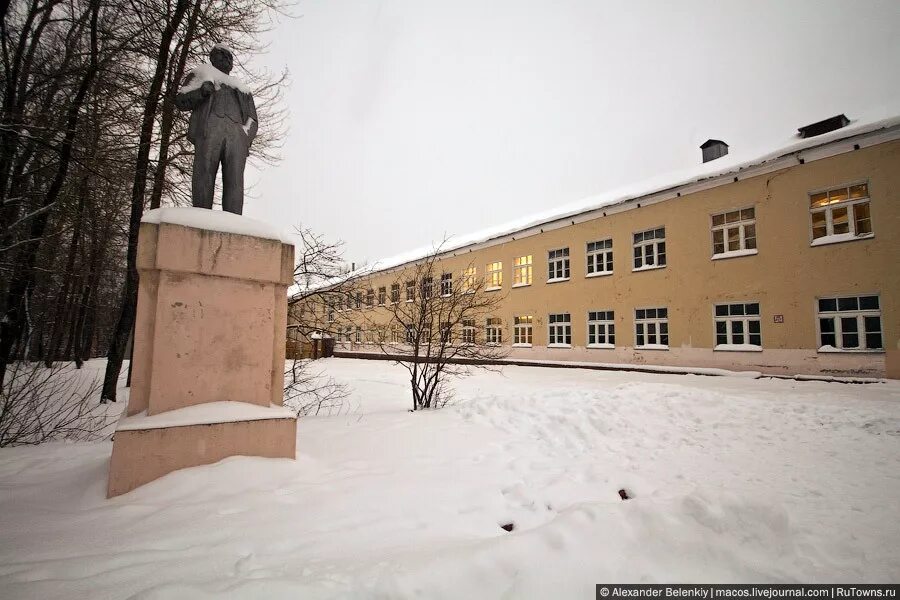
207 153
234 160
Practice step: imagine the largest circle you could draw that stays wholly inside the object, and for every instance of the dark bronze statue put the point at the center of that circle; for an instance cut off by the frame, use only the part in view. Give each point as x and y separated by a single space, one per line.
223 125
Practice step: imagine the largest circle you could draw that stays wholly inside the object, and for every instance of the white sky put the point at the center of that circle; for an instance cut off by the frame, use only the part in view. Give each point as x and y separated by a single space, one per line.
412 119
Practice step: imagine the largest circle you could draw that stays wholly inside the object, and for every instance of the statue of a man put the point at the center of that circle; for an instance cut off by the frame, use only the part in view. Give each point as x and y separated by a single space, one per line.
223 125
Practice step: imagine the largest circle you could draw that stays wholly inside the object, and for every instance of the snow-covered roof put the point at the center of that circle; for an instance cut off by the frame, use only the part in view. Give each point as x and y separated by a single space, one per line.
726 165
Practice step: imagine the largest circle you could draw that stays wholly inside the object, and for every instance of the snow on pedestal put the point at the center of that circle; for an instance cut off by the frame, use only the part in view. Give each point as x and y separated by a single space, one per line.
209 330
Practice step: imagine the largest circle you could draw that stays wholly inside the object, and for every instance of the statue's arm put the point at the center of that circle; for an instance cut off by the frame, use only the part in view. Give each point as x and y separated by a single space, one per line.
189 100
252 127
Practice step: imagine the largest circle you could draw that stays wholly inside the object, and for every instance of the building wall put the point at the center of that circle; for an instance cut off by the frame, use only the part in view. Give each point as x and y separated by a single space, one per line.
786 275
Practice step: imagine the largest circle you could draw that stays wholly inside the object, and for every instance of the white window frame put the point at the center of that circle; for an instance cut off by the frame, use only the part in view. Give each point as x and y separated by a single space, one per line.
653 243
446 284
859 314
559 327
370 298
468 280
382 295
523 331
523 270
427 288
601 324
493 276
601 255
642 326
743 222
558 265
850 204
359 335
493 331
411 291
468 331
395 297
733 317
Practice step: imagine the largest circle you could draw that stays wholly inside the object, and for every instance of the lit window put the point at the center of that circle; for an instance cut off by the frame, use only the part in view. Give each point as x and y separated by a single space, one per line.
410 291
850 323
370 298
738 326
559 333
493 333
734 232
382 296
468 331
650 249
522 271
522 331
840 214
446 284
601 329
469 279
558 265
494 275
651 328
395 292
599 257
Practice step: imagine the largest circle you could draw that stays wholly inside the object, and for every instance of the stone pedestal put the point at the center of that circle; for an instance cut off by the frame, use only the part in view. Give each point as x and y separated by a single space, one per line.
209 345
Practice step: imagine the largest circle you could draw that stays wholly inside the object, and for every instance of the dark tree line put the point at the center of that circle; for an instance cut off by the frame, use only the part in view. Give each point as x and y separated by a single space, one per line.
89 140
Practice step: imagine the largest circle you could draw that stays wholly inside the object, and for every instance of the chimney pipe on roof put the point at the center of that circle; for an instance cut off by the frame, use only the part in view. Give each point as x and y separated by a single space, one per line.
713 149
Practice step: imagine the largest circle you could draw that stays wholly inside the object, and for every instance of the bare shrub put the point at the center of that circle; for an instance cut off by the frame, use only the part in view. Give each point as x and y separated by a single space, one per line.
308 392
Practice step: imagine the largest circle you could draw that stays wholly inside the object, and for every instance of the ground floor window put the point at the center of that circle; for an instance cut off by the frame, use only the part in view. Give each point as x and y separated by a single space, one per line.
601 329
468 331
493 333
559 330
850 323
738 326
651 328
522 332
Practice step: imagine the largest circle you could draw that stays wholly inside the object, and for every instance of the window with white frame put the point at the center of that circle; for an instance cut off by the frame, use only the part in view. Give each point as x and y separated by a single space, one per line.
558 264
651 328
850 323
522 270
359 335
410 291
599 257
559 330
382 296
468 281
358 300
493 332
468 331
348 333
494 274
370 298
396 334
410 334
601 329
446 284
395 292
446 333
330 314
840 214
734 232
427 287
650 249
522 331
738 326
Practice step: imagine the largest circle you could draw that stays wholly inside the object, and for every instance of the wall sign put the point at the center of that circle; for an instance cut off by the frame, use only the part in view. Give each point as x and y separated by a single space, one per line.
779 318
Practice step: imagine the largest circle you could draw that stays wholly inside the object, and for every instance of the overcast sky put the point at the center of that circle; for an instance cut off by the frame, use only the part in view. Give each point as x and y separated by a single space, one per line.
412 119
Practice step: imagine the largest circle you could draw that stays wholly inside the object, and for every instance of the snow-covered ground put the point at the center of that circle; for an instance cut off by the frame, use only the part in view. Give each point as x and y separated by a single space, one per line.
733 479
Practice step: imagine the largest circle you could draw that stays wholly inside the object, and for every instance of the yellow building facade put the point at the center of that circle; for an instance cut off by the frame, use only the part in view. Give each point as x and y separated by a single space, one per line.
785 266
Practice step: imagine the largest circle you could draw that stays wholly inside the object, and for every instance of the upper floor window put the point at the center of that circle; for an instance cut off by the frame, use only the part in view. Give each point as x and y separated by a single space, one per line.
738 326
650 249
651 328
493 333
446 284
734 233
601 329
382 296
522 330
558 265
427 287
494 275
599 257
395 292
559 332
850 323
410 291
358 300
468 331
522 270
468 281
370 297
840 214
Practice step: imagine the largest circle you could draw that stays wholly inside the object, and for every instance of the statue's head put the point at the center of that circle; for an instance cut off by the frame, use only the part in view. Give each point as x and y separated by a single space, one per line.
220 57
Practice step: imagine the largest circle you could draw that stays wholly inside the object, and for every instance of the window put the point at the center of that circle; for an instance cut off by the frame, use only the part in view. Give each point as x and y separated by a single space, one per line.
446 284
358 334
370 298
560 330
358 300
734 232
522 271
468 331
737 326
330 314
340 304
850 323
469 279
601 329
493 333
396 334
395 292
410 334
446 333
382 296
558 265
651 328
494 275
410 291
348 333
599 257
522 332
650 249
427 287
840 214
